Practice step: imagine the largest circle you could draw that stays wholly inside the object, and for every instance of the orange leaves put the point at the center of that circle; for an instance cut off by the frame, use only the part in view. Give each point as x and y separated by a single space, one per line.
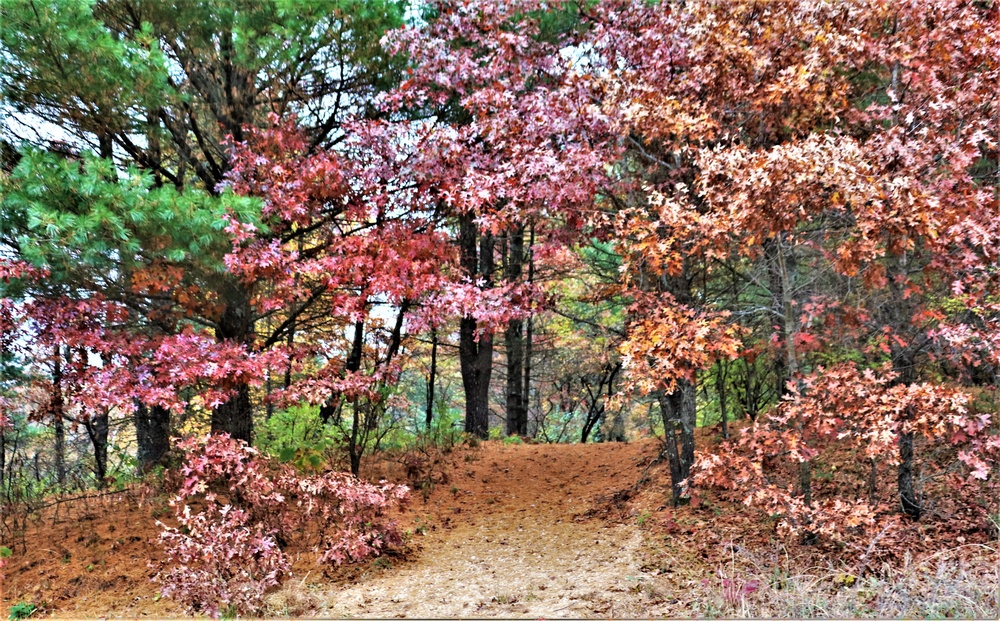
157 277
839 411
759 193
667 342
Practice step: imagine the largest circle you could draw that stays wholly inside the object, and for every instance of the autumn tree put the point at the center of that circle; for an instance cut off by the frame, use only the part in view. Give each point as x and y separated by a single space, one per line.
160 88
512 146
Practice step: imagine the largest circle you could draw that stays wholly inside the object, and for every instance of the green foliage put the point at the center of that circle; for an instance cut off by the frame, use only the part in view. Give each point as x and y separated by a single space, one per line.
446 427
82 218
5 552
297 435
21 610
96 52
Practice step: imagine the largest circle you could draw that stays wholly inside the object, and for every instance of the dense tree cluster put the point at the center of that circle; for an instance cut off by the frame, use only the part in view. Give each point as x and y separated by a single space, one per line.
219 215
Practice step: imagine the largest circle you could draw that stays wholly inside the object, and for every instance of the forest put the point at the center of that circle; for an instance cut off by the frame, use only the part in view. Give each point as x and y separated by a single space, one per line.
319 287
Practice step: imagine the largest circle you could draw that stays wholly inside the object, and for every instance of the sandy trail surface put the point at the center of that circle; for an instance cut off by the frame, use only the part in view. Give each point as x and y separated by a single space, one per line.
515 540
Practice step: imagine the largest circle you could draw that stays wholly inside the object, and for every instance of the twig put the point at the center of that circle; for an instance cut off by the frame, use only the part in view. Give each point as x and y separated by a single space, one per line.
871 547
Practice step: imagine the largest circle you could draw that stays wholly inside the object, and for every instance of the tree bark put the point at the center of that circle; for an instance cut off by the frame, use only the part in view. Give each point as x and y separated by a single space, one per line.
776 282
781 270
235 416
4 420
720 387
152 433
431 379
353 365
97 430
905 365
528 333
3 457
679 416
475 354
57 410
907 490
517 415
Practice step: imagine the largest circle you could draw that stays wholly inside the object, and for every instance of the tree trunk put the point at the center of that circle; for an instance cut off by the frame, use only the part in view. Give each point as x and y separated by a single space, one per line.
4 421
235 416
3 456
353 446
353 365
152 434
528 334
475 354
678 412
781 270
56 408
477 367
431 379
595 414
776 282
616 430
332 408
97 430
671 446
517 415
720 387
905 365
907 491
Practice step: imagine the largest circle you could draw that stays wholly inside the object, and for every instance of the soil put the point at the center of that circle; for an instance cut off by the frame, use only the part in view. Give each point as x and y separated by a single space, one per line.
506 530
529 530
510 536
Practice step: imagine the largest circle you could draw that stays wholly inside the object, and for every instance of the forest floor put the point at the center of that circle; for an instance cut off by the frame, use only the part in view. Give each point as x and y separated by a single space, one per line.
530 531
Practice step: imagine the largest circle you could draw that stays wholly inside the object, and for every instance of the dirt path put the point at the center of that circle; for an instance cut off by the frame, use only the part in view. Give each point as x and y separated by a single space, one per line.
506 535
511 540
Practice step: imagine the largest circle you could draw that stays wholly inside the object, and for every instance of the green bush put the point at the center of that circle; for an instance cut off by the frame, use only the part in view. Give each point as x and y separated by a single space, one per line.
21 610
297 435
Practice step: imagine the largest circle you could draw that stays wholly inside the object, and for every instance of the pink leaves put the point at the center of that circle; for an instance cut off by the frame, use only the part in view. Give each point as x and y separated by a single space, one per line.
843 409
225 556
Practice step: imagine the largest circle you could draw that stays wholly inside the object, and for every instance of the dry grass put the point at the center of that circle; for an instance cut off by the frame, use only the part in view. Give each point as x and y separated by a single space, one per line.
957 583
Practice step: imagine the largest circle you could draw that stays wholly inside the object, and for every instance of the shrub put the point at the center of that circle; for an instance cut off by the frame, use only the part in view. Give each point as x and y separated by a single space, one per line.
351 514
225 555
220 562
21 610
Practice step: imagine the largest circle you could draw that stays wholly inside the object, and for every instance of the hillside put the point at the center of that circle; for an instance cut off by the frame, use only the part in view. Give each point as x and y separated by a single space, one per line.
519 531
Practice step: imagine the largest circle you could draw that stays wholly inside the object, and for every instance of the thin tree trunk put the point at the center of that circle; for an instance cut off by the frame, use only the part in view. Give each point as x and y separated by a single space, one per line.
431 379
528 332
908 497
97 431
290 342
678 411
57 407
668 411
688 418
904 364
3 454
784 264
4 421
517 417
872 482
720 387
907 491
367 414
776 283
353 365
352 447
